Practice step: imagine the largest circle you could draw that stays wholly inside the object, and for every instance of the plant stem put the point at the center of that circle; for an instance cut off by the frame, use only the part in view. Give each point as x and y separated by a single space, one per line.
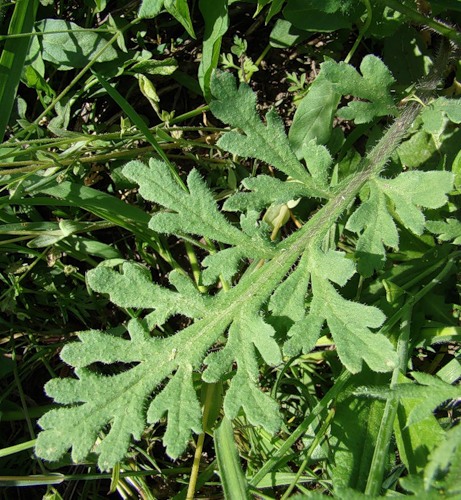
263 54
301 429
379 461
79 75
362 32
195 467
317 440
419 18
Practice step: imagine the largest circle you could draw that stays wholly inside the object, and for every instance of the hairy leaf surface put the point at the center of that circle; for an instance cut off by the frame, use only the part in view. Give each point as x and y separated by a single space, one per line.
373 87
404 195
291 292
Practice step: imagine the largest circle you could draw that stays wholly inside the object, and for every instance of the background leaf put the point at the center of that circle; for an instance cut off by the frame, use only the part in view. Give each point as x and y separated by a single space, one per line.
74 47
216 17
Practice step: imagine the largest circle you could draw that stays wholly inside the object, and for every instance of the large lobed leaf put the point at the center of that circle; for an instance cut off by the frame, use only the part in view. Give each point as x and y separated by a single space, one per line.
104 412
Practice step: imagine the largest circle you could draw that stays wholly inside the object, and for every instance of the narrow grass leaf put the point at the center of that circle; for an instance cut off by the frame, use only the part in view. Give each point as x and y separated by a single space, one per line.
138 121
13 56
233 479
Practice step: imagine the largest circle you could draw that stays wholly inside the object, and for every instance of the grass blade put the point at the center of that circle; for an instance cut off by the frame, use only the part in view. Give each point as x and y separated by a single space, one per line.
232 478
13 57
139 122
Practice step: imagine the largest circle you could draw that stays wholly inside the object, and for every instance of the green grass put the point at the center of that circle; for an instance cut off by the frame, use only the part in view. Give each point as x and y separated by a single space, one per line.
73 120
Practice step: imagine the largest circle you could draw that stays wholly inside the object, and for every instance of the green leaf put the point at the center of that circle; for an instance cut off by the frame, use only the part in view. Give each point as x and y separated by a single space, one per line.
373 86
133 287
231 332
265 142
216 18
74 47
150 8
164 67
376 228
415 442
265 190
247 333
354 434
446 231
445 457
120 399
13 56
349 322
438 111
412 190
430 392
284 34
331 15
180 11
313 119
102 397
184 415
288 302
195 212
373 220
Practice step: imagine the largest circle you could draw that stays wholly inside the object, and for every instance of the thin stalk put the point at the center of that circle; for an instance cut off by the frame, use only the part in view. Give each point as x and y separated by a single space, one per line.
380 455
263 54
419 18
362 32
11 450
23 400
279 455
192 256
379 460
209 396
55 32
317 440
79 75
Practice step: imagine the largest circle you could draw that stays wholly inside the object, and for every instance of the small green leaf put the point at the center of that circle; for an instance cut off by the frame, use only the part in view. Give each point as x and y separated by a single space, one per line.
180 11
373 87
349 322
164 67
374 223
436 113
265 191
288 302
445 457
216 18
430 391
446 231
414 442
318 161
195 212
150 8
133 287
376 228
74 47
313 119
247 333
412 190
